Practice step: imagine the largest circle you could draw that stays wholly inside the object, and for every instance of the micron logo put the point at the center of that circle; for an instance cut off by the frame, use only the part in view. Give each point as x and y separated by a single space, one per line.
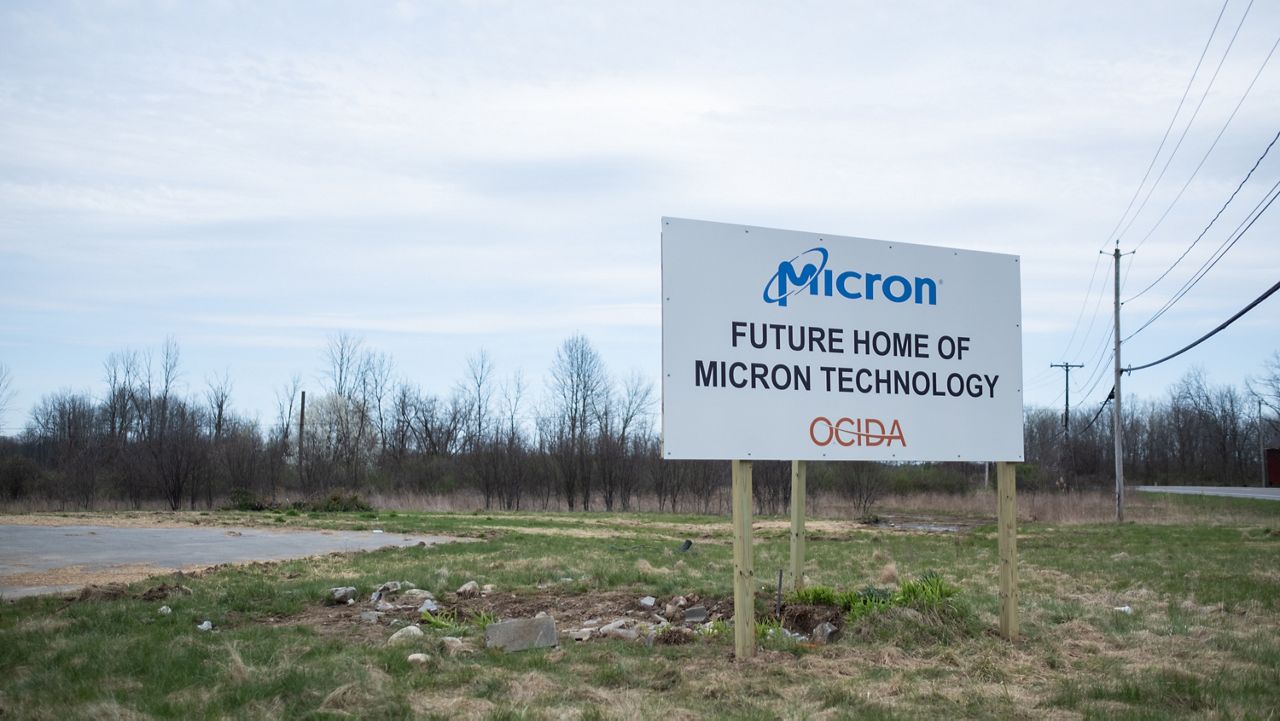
814 275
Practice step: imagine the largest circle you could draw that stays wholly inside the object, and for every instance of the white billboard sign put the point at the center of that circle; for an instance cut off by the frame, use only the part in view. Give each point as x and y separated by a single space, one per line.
784 345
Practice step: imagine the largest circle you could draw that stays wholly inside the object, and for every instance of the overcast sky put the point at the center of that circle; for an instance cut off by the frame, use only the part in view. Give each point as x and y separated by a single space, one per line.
251 178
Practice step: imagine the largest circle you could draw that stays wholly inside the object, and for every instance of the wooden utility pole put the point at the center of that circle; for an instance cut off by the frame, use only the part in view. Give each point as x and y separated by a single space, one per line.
1118 417
798 472
1262 447
744 580
1066 409
302 435
1007 541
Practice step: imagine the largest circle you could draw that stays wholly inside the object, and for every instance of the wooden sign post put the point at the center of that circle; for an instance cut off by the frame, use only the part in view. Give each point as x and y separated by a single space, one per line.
1007 534
798 471
744 579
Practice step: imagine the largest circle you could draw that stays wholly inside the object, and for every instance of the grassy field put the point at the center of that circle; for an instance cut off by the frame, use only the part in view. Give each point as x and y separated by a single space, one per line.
1202 639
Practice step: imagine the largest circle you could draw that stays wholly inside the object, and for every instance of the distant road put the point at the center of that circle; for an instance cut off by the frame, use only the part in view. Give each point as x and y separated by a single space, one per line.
1270 494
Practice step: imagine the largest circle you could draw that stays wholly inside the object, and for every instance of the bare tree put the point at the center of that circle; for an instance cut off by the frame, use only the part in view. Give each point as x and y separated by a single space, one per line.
7 393
578 382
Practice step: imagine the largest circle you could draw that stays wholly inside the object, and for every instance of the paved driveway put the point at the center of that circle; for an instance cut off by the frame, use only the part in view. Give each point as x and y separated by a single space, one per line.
50 559
1272 494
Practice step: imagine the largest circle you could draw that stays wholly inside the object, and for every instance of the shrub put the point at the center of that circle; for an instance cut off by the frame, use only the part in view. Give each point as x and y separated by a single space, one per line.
339 502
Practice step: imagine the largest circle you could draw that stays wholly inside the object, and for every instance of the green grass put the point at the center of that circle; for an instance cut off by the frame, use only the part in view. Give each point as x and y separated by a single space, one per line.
1203 639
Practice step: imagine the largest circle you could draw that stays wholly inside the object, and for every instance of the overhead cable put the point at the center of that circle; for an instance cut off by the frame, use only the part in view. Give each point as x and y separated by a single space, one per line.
1167 130
1190 121
1222 250
1221 327
1215 217
1207 152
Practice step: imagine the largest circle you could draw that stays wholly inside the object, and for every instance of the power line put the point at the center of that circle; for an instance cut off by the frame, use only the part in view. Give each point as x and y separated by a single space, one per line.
1211 333
1167 130
1190 121
1209 151
1216 215
1222 250
1138 190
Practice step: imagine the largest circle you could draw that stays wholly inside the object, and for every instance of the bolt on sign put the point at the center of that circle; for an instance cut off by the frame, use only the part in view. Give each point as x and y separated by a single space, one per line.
778 344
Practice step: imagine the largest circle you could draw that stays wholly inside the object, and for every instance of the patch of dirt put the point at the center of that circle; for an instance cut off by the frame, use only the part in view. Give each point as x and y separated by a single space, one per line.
79 575
341 621
139 519
803 618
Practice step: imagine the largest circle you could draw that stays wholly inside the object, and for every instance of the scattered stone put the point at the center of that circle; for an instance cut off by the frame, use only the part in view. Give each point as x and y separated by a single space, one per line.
695 614
372 616
343 594
582 634
684 547
351 601
429 606
419 658
680 601
488 588
1124 609
620 623
416 595
671 611
648 601
453 645
521 634
825 632
624 634
660 620
206 626
408 634
591 623
165 610
566 580
384 606
469 589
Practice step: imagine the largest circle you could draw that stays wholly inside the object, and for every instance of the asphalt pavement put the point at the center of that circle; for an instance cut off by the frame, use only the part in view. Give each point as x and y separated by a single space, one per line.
1270 494
35 551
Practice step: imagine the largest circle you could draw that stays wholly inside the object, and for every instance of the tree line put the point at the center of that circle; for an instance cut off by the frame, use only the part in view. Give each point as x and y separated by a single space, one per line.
587 442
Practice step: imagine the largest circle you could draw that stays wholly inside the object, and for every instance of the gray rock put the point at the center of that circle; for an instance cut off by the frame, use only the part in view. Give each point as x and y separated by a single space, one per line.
521 634
165 611
372 616
680 601
826 632
488 588
605 629
469 589
408 634
648 601
695 614
419 658
206 626
624 634
416 595
453 645
672 611
582 634
384 606
342 594
429 606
